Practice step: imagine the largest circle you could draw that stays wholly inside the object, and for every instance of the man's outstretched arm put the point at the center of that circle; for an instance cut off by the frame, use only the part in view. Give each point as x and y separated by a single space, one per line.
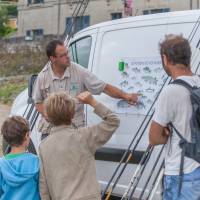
115 92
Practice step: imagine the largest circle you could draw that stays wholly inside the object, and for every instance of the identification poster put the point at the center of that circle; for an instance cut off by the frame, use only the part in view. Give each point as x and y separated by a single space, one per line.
140 75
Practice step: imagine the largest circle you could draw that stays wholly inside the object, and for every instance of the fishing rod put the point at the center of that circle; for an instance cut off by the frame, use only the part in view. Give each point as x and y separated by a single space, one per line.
74 15
129 157
30 111
195 28
73 24
8 148
35 119
191 38
33 116
128 149
137 179
25 110
30 99
86 4
36 113
142 162
68 32
126 152
150 174
161 172
156 182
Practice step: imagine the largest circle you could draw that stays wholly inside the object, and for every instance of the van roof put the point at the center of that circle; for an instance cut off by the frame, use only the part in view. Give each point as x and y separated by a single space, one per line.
194 13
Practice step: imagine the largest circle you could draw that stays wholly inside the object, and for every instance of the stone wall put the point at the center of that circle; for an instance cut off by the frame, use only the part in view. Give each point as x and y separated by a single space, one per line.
19 57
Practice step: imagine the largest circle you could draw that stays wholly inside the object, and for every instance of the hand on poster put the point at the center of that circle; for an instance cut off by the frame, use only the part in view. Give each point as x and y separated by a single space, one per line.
132 98
144 76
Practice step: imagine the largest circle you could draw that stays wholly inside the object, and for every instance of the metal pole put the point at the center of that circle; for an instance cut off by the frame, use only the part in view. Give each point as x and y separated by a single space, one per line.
137 137
156 182
139 167
151 173
191 4
58 26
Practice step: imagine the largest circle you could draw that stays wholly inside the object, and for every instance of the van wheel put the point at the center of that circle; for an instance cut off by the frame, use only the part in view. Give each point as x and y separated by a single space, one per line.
6 148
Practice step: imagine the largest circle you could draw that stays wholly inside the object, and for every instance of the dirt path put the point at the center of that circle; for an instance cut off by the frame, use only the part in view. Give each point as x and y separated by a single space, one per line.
4 112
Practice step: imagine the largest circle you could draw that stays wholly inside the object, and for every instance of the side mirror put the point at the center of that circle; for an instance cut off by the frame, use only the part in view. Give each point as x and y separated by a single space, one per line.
30 87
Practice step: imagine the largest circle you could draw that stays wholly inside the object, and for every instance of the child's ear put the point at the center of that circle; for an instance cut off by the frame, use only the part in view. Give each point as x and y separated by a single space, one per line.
27 139
27 136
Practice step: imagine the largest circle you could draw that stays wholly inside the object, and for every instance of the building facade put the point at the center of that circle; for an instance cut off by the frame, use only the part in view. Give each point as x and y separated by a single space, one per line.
37 18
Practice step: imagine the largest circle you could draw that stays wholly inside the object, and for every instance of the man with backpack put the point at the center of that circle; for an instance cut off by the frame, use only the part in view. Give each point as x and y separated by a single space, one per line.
176 122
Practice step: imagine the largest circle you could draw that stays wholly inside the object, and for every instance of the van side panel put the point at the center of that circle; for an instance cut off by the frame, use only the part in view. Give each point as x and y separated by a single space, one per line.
130 43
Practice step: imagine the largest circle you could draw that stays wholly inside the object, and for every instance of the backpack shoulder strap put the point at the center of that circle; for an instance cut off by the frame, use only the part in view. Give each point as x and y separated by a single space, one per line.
183 83
177 132
183 141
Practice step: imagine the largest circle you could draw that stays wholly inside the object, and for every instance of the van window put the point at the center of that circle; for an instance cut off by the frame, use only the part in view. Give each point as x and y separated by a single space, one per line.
79 51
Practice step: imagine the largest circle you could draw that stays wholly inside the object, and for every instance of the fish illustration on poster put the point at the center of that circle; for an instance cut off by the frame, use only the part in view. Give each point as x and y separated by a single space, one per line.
144 75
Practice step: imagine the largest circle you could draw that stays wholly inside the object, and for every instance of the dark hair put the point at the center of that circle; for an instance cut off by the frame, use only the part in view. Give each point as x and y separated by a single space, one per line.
51 47
176 49
14 130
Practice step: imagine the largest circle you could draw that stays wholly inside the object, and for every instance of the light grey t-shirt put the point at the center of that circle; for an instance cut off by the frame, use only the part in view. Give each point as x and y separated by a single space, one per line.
174 106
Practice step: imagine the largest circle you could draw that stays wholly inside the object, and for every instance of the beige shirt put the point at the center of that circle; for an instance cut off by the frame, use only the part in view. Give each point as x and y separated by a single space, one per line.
67 167
75 80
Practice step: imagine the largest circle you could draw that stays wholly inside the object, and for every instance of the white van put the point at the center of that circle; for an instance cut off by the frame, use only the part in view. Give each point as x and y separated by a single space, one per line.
125 53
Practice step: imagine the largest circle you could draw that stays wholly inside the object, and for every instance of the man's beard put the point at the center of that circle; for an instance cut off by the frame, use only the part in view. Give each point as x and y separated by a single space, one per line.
64 66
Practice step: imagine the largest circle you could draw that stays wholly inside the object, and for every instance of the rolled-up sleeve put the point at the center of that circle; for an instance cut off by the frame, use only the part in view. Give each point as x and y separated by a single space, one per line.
164 111
92 83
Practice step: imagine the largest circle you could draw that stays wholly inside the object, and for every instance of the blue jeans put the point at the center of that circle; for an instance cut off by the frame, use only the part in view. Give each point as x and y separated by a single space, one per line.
190 189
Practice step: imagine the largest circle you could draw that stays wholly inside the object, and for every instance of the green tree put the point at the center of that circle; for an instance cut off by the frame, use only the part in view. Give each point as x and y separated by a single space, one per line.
4 29
12 10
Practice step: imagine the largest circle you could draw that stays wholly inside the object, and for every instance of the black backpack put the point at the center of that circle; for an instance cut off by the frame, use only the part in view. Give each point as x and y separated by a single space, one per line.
190 149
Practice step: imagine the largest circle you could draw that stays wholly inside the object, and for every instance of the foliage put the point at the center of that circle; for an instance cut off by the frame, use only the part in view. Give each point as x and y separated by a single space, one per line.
10 89
3 20
12 10
5 12
4 29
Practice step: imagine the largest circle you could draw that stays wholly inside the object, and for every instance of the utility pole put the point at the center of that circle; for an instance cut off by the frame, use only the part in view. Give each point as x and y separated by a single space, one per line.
197 4
191 4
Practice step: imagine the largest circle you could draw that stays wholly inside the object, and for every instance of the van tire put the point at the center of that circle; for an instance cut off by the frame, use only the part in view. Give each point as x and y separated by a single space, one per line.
5 147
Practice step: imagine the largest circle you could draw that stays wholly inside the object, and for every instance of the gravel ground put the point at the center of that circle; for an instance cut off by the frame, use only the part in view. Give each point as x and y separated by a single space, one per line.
4 112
